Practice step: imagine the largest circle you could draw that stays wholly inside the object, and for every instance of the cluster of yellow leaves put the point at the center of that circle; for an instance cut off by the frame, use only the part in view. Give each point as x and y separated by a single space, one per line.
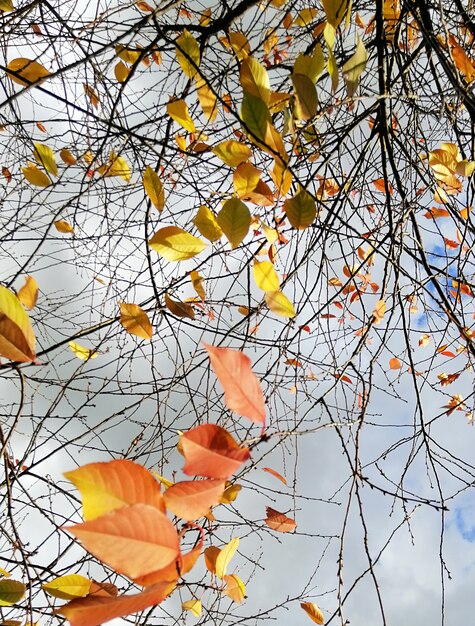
446 164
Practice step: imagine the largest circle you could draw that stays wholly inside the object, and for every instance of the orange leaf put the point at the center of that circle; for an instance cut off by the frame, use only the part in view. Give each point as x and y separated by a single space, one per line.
242 389
28 294
279 521
108 486
434 213
235 588
395 364
211 451
192 499
134 540
94 610
384 186
211 554
313 612
269 470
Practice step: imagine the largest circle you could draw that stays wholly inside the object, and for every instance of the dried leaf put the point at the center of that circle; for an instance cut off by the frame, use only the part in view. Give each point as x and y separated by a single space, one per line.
135 320
17 340
279 522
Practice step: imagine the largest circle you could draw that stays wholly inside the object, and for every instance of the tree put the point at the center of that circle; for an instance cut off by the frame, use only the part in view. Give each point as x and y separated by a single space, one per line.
240 232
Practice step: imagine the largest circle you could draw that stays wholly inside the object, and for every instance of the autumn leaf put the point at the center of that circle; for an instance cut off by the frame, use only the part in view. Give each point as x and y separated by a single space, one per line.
265 276
28 293
207 224
192 499
105 487
279 522
134 540
17 340
395 364
11 591
279 304
313 612
135 320
300 209
254 79
235 588
224 557
271 471
67 157
68 587
154 188
188 53
242 389
45 157
212 452
180 309
26 72
175 244
95 610
232 152
63 227
230 494
194 606
379 311
81 352
35 176
178 111
234 220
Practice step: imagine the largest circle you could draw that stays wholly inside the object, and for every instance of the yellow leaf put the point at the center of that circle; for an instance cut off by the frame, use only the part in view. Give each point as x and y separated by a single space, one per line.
230 494
178 111
313 612
162 480
63 227
129 55
28 294
238 43
82 353
311 66
207 99
11 591
206 223
254 79
92 95
197 281
175 244
333 70
188 53
67 157
224 557
354 67
35 176
135 320
121 72
117 166
307 100
279 304
194 606
233 153
234 220
235 588
245 179
68 587
301 209
265 276
465 168
45 157
26 72
6 5
379 311
305 17
154 188
270 233
335 11
17 340
3 572
282 177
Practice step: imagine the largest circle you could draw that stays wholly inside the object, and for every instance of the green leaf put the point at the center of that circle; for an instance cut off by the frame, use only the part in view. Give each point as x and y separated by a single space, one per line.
234 220
300 209
11 591
306 96
254 115
311 66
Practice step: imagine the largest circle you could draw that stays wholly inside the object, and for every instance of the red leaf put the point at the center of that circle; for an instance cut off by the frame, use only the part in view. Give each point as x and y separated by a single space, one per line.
279 521
242 389
211 451
134 540
191 499
94 610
